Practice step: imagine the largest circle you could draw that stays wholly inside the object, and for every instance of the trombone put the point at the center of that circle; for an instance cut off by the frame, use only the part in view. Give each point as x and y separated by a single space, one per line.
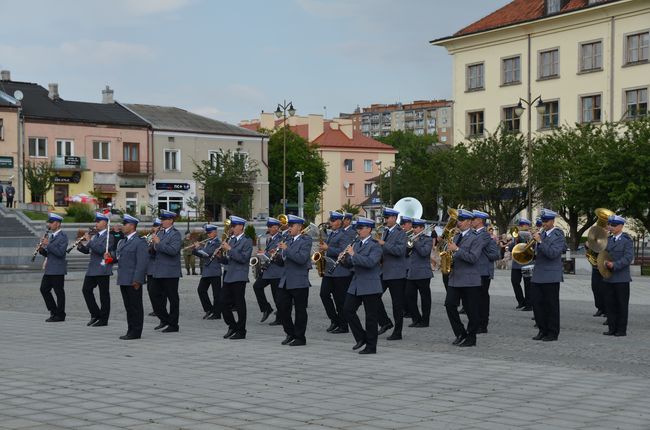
410 242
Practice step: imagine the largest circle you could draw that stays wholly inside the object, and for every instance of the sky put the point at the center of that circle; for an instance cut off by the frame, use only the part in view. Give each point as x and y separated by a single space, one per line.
231 60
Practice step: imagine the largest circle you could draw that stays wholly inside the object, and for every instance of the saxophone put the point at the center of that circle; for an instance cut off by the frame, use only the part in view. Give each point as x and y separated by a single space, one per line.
446 236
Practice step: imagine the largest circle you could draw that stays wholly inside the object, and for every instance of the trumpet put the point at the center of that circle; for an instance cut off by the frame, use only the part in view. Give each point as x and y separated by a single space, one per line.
342 256
91 231
40 244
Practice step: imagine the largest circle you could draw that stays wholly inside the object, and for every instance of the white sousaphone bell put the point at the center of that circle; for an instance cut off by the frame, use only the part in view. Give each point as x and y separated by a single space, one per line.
408 206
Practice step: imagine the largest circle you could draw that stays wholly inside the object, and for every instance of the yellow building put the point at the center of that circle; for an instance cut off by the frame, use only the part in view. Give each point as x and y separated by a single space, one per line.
9 141
587 60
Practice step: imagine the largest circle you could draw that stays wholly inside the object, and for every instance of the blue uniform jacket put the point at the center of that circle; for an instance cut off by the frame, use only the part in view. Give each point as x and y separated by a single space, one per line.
394 255
238 259
366 272
621 253
489 255
465 270
205 252
297 263
167 261
96 247
337 241
273 271
548 258
132 257
55 252
419 262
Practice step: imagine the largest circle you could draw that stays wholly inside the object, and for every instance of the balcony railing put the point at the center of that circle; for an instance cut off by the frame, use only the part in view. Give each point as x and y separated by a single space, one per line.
70 162
135 168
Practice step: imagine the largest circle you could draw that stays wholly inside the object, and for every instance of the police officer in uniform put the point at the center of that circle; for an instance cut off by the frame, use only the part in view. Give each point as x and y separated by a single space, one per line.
522 297
547 275
133 258
419 276
464 280
489 254
155 226
616 288
273 272
166 272
294 285
53 248
210 275
336 282
98 272
393 276
365 286
236 252
347 226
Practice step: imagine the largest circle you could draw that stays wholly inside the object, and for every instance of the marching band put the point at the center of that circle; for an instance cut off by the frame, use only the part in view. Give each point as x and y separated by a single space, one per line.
357 267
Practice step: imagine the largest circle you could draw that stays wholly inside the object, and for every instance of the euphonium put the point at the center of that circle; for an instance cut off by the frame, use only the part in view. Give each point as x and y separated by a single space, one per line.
523 253
446 236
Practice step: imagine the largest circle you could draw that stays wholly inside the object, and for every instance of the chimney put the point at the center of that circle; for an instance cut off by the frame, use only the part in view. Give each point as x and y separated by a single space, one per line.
107 95
315 126
5 75
345 125
53 93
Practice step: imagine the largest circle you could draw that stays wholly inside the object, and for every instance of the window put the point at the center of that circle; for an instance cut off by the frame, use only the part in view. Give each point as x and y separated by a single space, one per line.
2 129
170 203
475 77
367 166
475 120
636 103
549 64
510 120
551 116
511 71
172 160
638 46
367 190
215 159
348 165
590 108
553 6
591 56
37 147
241 158
64 147
61 192
101 150
349 191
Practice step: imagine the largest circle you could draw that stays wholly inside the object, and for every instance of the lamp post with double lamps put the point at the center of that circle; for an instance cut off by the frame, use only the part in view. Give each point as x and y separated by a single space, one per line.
519 110
281 112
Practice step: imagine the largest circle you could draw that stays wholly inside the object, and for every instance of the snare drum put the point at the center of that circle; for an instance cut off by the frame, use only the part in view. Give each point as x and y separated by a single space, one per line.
527 270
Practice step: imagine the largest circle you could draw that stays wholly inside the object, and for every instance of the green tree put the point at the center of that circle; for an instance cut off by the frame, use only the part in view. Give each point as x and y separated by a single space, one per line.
571 171
350 208
301 156
39 177
227 180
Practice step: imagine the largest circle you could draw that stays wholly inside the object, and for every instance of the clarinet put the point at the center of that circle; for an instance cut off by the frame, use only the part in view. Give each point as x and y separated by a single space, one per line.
78 241
342 256
38 247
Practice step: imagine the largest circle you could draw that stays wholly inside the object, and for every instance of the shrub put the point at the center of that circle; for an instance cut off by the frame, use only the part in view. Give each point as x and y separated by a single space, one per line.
80 212
249 231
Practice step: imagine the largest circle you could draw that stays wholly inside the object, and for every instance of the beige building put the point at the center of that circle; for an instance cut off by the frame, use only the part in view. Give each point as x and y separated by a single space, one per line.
181 139
9 142
587 60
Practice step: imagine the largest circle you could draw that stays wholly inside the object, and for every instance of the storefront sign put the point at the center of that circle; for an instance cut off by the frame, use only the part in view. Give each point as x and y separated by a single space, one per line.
70 160
6 162
168 186
74 179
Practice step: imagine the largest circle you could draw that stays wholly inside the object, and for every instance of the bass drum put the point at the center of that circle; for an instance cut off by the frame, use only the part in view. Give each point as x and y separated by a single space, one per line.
527 270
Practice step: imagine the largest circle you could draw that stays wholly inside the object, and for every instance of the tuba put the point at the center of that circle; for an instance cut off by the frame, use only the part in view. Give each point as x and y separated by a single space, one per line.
446 236
597 237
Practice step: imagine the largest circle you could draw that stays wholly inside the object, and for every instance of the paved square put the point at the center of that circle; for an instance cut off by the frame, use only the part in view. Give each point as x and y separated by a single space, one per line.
67 375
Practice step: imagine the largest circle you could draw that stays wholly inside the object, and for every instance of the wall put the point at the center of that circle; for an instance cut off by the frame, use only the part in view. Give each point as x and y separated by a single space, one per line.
9 146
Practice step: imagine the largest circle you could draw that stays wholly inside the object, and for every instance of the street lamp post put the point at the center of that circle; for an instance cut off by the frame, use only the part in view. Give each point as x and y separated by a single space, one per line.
281 112
378 163
519 110
301 195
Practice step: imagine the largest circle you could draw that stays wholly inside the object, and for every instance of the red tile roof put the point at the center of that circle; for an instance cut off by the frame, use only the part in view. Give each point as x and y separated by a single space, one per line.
337 139
518 11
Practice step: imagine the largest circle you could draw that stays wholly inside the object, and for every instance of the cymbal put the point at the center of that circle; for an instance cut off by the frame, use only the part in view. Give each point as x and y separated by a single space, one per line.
603 256
597 238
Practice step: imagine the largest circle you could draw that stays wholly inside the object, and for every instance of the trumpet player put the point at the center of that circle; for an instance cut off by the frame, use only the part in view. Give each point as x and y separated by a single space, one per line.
522 297
99 271
418 275
211 274
294 284
155 226
334 285
53 248
270 275
489 254
464 280
616 288
547 275
236 252
393 277
365 287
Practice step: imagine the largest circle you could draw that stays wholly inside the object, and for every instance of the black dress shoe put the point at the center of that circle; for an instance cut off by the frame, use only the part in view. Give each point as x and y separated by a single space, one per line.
549 338
207 315
170 329
124 337
462 310
414 324
519 306
383 329
367 350
421 324
55 319
339 330
298 342
526 309
620 334
287 340
276 322
229 333
129 337
598 313
394 336
238 335
539 336
92 321
459 339
359 345
408 315
332 327
152 314
467 342
159 326
265 315
481 330
100 323
214 316
609 333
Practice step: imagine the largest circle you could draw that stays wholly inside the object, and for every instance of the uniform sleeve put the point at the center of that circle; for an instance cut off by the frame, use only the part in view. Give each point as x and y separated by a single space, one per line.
142 257
397 246
99 246
337 246
368 261
299 254
492 250
172 246
626 259
552 247
242 253
58 246
83 248
469 253
423 246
